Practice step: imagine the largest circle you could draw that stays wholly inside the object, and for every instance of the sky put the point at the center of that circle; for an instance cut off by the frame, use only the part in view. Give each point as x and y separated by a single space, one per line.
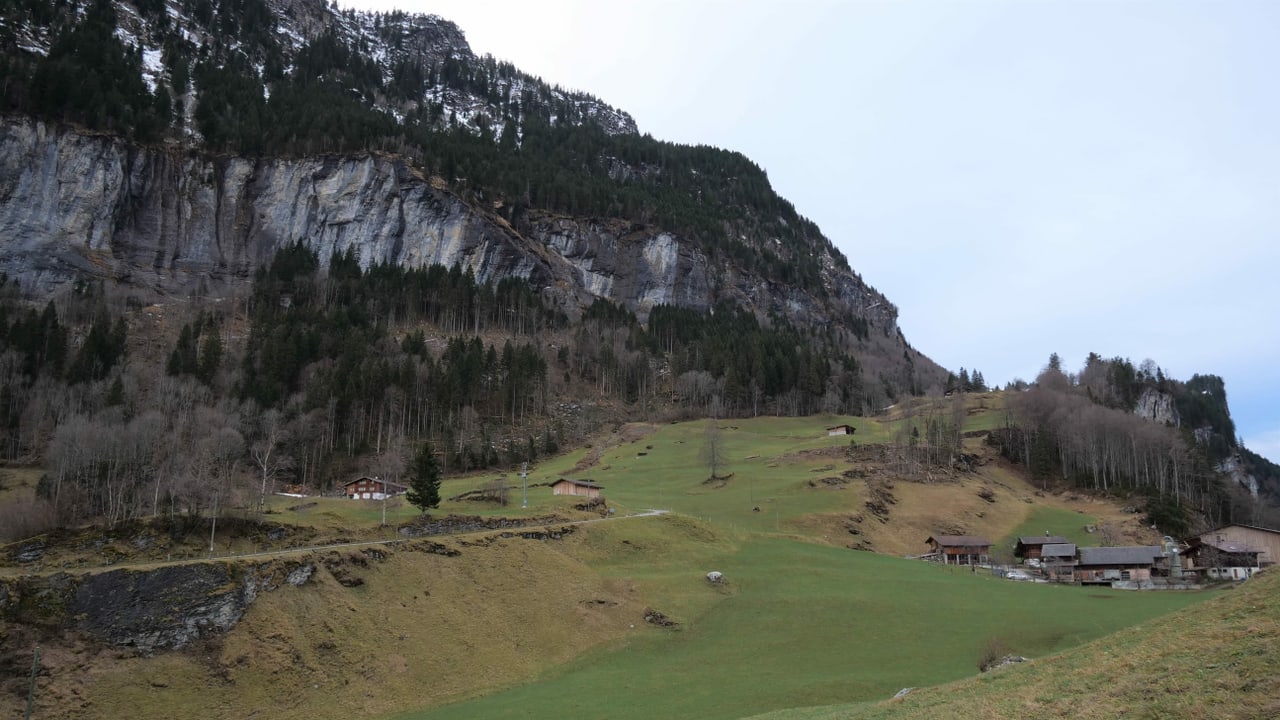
1020 178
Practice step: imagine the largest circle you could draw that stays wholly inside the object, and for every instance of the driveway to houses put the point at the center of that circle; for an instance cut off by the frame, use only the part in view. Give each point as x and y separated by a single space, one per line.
14 571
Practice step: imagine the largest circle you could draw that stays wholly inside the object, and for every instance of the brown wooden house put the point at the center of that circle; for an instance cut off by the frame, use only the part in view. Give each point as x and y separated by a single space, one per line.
959 549
372 488
579 488
1221 559
841 430
1105 565
1030 548
1264 540
1059 561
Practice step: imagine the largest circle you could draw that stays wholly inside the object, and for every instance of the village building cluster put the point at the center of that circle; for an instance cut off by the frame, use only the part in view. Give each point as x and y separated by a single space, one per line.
1231 552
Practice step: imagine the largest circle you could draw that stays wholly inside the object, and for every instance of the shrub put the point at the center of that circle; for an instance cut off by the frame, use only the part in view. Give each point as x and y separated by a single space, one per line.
992 651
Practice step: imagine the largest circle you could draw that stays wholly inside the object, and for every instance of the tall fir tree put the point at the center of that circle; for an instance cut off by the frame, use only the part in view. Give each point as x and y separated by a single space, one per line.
424 488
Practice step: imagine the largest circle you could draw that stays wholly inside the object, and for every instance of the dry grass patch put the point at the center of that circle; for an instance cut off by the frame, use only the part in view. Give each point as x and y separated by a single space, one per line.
421 629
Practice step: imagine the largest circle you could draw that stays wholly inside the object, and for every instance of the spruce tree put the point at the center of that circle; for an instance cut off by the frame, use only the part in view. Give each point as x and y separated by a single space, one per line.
424 488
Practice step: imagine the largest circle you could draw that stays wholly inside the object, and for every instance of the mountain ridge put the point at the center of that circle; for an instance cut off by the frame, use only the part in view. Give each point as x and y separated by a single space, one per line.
228 129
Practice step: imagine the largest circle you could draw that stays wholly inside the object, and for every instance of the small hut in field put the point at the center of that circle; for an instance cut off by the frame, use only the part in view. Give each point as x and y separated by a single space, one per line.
577 488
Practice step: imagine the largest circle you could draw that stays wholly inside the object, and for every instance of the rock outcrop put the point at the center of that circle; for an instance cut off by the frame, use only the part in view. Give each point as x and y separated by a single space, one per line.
1157 406
169 607
76 205
1233 468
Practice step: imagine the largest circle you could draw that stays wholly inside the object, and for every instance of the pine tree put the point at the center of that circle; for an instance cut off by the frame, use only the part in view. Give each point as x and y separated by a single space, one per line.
424 488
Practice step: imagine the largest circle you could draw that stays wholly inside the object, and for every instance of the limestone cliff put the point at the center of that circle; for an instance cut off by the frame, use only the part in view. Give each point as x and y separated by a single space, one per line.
210 158
1157 406
76 205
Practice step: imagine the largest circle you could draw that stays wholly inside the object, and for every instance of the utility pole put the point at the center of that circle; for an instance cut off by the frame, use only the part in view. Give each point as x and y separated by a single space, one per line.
524 486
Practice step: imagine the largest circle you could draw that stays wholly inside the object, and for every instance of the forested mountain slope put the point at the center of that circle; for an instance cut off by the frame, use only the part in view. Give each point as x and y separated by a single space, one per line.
236 127
1115 427
281 241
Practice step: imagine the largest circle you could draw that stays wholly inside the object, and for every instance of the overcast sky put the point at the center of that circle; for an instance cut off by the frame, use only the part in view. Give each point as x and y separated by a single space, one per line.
1019 177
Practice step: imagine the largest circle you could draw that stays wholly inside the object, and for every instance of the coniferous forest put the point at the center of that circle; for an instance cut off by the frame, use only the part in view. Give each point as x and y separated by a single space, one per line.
316 373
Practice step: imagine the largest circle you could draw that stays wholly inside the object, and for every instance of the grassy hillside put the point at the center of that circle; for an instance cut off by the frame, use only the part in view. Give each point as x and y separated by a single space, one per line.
535 628
804 625
1215 660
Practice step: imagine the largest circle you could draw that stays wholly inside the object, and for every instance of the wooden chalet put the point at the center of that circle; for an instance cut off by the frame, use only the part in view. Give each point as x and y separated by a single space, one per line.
1058 560
579 488
372 488
1264 540
959 549
1030 548
841 430
1106 565
1221 559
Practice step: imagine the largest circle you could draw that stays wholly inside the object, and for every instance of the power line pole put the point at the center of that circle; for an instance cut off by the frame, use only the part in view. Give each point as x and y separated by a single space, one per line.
524 486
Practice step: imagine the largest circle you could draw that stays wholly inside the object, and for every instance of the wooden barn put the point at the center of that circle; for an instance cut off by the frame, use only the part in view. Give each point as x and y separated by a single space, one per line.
841 430
959 549
1031 548
1105 565
1264 540
1221 560
579 488
1059 561
372 488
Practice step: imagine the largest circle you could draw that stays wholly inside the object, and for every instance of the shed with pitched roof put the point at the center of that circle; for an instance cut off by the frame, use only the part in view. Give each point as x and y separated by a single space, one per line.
959 549
1105 565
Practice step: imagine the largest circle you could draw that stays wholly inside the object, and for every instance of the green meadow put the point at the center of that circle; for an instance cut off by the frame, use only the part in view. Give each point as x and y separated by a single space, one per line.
801 625
1055 521
797 624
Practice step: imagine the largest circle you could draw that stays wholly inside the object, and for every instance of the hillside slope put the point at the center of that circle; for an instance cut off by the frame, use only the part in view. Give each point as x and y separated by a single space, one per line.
513 624
1213 660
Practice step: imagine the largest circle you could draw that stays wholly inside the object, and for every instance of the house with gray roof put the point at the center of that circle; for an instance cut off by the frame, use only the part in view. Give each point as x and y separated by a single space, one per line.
1031 547
1058 562
958 549
1105 565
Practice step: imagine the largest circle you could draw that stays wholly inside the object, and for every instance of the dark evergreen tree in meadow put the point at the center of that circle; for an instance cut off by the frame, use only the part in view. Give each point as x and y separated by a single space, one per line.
424 485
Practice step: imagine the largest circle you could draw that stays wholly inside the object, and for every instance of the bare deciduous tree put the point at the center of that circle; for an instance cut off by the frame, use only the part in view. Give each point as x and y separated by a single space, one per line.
267 452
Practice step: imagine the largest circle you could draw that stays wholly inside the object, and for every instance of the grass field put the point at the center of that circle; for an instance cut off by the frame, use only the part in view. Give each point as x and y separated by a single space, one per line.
809 625
1056 521
539 629
1217 660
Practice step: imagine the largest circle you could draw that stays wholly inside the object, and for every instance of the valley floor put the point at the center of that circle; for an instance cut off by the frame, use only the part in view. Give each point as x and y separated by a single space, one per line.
537 627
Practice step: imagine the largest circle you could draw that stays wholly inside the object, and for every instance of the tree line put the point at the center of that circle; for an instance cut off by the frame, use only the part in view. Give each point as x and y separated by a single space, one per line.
323 369
1082 429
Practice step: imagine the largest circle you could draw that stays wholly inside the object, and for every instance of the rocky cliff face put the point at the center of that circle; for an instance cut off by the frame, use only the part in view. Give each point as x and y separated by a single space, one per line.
74 204
1233 468
169 607
1157 407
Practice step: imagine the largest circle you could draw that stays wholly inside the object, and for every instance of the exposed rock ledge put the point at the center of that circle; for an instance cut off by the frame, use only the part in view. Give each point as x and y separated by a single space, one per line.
169 607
